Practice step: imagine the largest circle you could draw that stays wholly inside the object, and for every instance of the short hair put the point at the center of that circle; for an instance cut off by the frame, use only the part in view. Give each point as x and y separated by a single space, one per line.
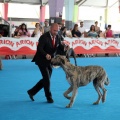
81 22
96 22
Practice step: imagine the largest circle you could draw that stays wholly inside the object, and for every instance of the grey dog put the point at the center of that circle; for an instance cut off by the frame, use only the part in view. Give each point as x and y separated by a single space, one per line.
78 76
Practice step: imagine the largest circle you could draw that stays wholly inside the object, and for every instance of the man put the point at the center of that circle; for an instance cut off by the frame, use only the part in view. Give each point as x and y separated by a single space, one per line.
82 29
46 50
97 29
46 27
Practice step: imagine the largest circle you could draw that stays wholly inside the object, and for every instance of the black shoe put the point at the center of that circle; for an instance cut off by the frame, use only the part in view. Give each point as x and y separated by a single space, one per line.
31 96
50 100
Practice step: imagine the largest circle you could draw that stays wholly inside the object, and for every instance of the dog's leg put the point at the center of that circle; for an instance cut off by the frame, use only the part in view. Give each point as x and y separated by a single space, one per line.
68 54
104 92
73 96
67 92
74 56
71 52
98 91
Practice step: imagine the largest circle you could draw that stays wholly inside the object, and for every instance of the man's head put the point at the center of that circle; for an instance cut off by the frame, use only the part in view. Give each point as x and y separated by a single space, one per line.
81 24
60 25
46 23
54 29
96 22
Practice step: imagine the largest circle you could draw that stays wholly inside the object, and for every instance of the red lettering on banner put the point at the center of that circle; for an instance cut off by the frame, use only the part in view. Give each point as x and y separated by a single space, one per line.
96 42
79 42
112 42
25 42
7 42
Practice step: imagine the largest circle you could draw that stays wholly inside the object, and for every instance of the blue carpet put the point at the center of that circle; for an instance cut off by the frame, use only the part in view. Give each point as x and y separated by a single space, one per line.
18 76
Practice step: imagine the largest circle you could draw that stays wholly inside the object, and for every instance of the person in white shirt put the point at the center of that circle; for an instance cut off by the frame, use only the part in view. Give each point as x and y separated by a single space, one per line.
38 31
82 29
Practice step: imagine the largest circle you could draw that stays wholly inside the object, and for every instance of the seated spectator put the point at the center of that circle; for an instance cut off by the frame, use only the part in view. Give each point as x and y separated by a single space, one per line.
16 32
46 27
63 33
23 32
108 34
101 34
75 31
97 29
92 33
60 26
38 31
82 29
69 33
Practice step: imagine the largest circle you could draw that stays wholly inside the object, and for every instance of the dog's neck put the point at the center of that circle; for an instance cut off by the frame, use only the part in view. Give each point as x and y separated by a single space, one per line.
68 67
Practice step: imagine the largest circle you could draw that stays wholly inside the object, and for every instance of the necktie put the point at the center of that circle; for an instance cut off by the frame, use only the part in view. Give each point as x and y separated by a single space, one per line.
53 41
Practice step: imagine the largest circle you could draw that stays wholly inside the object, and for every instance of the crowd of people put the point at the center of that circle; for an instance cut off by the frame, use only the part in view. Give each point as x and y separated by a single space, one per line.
77 31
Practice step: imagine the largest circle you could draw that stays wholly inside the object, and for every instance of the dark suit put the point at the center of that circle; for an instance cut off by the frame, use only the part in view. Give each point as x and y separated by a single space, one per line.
45 47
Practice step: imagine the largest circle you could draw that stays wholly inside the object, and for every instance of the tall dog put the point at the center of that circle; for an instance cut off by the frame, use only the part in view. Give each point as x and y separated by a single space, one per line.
0 64
79 76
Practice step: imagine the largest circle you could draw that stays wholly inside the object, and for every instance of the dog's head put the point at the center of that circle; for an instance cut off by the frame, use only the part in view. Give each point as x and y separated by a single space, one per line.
59 60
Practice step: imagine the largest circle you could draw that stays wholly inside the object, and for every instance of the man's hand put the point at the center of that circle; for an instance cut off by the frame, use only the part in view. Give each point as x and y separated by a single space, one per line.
48 57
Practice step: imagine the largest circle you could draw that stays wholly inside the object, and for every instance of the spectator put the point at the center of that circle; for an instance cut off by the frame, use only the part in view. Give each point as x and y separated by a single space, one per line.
108 34
97 29
23 31
46 27
38 31
101 34
92 33
16 31
75 31
82 29
60 26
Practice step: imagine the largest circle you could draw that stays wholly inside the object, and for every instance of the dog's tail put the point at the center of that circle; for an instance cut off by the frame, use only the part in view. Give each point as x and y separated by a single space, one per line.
107 82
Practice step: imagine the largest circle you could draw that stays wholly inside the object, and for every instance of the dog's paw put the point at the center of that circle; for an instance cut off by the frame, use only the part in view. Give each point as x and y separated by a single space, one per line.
68 98
103 99
95 103
68 106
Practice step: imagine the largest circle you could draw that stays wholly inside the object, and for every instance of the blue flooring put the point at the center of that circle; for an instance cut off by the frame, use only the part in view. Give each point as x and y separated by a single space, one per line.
18 76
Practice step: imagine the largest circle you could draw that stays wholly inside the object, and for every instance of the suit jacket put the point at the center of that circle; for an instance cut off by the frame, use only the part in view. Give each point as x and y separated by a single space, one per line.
45 47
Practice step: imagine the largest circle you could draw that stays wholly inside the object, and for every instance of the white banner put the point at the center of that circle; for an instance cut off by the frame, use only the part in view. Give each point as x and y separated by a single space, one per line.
80 45
17 43
88 43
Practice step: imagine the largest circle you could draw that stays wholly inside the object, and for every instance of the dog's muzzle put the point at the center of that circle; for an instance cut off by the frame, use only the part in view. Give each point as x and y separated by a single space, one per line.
54 64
